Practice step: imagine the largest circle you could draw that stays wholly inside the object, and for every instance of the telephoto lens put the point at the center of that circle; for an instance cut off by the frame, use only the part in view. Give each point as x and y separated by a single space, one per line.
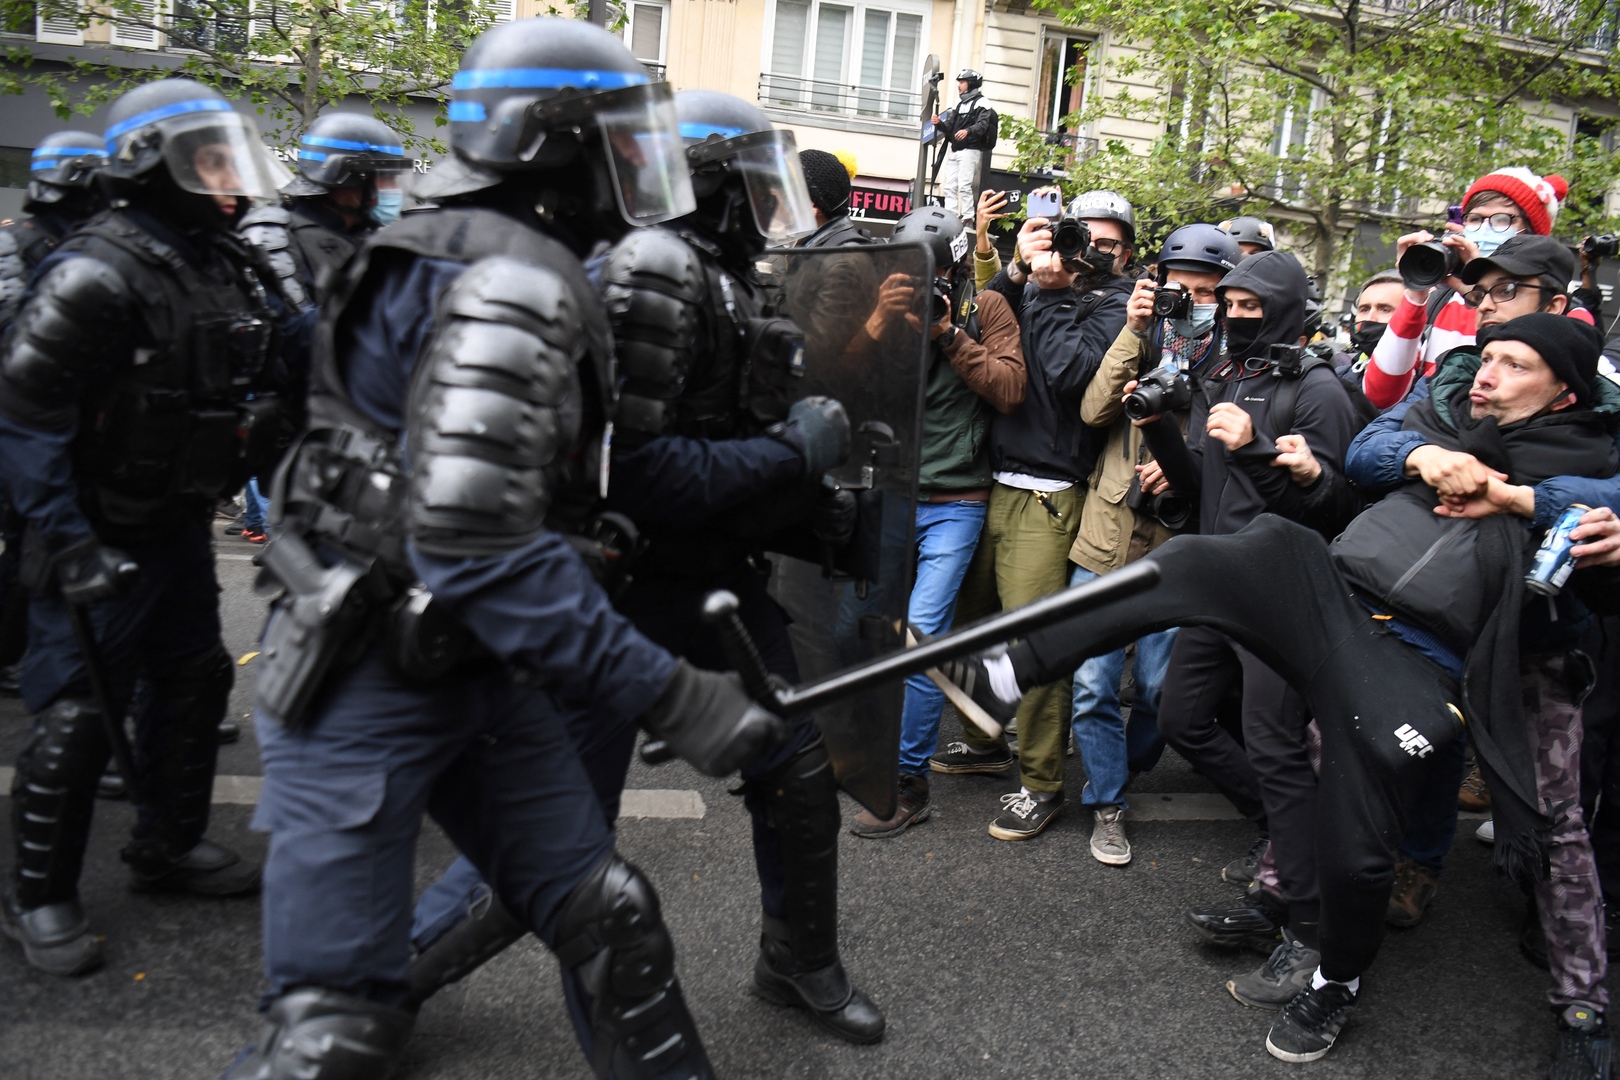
1428 264
1070 239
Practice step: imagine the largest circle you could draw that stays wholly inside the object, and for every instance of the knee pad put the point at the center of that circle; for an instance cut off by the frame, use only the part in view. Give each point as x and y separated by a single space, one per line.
314 1034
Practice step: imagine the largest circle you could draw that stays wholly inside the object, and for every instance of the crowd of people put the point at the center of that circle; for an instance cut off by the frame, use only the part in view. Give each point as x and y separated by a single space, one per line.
520 434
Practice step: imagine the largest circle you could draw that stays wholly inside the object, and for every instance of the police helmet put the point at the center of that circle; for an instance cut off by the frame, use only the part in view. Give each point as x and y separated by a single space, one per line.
207 147
727 138
1105 206
1202 248
345 150
971 77
552 94
1252 230
940 229
64 164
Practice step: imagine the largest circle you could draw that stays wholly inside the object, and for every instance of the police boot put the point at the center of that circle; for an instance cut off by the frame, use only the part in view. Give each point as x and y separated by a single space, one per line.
315 1034
798 956
487 931
612 939
52 796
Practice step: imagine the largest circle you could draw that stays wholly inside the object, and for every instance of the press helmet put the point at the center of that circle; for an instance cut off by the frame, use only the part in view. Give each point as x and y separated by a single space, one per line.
940 229
345 150
1202 247
735 153
1105 206
63 167
1252 230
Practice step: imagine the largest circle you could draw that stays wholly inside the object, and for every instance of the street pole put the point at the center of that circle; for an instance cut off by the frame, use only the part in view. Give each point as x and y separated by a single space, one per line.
598 12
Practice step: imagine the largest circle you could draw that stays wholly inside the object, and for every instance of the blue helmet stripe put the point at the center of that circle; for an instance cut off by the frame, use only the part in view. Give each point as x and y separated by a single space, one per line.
44 163
350 144
545 79
152 116
703 131
69 151
311 155
467 110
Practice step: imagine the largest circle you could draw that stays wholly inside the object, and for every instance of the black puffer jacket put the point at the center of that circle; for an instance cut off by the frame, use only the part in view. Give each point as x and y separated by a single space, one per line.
972 115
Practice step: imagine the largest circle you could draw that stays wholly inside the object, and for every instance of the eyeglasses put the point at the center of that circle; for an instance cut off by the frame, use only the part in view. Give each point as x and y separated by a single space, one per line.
1500 222
1499 293
1105 245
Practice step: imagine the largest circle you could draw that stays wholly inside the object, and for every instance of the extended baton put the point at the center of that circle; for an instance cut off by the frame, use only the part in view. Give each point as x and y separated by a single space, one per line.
123 753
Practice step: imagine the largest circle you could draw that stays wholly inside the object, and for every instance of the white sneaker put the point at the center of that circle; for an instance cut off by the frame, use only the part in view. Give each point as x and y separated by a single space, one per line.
1486 833
1108 843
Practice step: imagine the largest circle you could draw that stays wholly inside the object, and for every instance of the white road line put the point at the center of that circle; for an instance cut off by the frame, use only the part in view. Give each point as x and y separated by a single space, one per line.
232 557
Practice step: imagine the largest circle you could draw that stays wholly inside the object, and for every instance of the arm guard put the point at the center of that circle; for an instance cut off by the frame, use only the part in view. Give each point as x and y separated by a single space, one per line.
652 283
495 406
67 334
267 229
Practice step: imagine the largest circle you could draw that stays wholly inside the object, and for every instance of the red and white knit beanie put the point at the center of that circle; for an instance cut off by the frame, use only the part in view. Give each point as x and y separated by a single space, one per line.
1538 196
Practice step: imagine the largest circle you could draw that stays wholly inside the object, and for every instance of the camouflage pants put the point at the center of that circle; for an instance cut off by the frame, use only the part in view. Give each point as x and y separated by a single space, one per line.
1570 901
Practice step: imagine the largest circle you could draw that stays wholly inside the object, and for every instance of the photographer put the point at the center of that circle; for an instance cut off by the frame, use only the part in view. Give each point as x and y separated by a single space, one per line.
976 364
1071 310
1432 319
1170 329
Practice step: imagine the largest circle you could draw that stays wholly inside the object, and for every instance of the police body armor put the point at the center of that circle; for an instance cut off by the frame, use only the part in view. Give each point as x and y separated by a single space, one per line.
510 399
24 244
194 416
305 255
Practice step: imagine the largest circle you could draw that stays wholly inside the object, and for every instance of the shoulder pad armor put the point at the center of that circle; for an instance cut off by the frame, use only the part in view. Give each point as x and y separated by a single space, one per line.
653 286
267 229
69 331
495 406
13 268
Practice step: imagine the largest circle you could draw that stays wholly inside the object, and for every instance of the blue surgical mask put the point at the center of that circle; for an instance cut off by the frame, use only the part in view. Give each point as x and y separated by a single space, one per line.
1201 323
389 203
1486 238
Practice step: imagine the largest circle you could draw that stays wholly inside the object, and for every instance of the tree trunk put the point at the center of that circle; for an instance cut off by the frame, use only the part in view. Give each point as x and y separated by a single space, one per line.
311 81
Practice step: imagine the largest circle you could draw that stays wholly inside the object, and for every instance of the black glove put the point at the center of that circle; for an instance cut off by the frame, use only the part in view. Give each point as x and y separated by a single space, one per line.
833 518
818 428
709 721
89 571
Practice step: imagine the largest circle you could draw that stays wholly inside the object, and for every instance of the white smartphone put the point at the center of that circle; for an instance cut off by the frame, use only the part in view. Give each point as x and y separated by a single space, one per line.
1044 203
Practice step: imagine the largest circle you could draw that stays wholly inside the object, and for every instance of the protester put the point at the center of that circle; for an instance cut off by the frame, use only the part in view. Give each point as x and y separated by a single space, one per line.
828 180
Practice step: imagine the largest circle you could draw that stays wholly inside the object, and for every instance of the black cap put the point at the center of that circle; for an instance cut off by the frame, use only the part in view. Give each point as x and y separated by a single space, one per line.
1525 255
1569 346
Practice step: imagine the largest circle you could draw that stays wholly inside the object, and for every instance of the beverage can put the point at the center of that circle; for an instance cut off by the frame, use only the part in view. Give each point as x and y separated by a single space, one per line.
1553 564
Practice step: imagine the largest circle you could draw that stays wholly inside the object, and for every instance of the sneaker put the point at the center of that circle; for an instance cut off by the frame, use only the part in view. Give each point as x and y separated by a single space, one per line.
1025 813
1256 921
1241 871
1280 979
1308 1025
1413 892
1486 833
970 674
254 536
912 808
960 759
1583 1045
1108 843
1473 796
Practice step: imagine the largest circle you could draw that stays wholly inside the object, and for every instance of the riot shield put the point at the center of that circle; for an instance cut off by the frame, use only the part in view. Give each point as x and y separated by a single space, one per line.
863 312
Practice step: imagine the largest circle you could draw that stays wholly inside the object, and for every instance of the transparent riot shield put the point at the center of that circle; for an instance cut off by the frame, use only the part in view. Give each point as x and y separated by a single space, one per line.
863 312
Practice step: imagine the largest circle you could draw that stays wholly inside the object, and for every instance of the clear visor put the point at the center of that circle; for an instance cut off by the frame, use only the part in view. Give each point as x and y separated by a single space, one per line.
777 192
646 155
220 153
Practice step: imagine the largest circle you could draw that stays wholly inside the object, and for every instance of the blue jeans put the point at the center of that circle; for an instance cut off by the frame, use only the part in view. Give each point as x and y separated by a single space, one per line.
947 533
255 506
1109 750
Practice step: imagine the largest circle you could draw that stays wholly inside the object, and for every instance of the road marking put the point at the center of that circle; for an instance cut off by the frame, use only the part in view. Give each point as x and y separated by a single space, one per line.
232 558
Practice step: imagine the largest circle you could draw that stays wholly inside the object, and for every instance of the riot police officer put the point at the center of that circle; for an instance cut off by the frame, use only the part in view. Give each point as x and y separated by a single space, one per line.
125 382
437 609
347 186
707 469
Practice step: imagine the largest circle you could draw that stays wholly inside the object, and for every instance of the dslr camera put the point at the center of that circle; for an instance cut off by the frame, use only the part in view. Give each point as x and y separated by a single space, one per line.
1070 239
1167 508
1426 265
1164 390
1171 302
1604 246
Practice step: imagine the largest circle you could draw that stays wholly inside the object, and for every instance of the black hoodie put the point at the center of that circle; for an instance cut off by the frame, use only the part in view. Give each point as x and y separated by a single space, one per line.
1235 487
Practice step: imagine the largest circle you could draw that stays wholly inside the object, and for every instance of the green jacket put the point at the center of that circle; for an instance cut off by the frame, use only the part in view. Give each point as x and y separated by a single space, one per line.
964 383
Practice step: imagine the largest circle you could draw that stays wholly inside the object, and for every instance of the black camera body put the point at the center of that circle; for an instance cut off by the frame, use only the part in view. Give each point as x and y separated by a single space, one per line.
1167 508
1604 245
1071 238
1172 302
941 303
1426 265
1286 361
1159 392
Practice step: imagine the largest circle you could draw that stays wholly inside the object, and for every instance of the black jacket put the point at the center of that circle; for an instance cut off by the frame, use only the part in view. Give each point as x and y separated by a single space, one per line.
972 115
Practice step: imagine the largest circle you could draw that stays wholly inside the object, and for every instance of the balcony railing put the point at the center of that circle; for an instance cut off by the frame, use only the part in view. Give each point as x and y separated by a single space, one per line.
819 96
654 70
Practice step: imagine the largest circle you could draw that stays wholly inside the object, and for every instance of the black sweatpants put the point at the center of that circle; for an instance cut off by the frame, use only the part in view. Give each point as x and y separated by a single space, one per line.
1382 707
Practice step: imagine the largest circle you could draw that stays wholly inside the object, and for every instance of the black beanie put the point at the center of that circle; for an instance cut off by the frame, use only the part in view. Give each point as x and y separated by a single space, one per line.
827 180
1569 346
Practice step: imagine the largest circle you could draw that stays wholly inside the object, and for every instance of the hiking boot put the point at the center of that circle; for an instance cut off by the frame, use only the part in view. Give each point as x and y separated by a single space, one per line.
1583 1045
1473 796
1241 871
1280 979
1413 892
206 870
970 674
960 759
912 808
1108 843
1256 922
1025 813
1308 1025
55 938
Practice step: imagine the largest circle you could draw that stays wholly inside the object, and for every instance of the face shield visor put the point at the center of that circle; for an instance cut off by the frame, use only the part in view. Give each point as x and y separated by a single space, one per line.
220 153
768 162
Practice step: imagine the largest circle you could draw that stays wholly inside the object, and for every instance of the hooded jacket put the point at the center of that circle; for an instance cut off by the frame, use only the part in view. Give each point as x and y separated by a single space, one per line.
1235 487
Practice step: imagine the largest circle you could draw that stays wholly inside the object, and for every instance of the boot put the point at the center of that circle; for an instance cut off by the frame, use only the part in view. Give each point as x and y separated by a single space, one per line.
913 808
206 870
55 938
315 1034
484 934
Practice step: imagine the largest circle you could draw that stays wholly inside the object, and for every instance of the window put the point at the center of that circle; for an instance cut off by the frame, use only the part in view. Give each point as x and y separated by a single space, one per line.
135 24
646 32
844 58
59 26
1065 79
200 24
1291 142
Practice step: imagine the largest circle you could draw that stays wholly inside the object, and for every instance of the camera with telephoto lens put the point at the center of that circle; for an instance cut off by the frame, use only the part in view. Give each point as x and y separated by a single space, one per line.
1167 508
941 304
1426 265
1604 246
1159 392
1070 239
1171 302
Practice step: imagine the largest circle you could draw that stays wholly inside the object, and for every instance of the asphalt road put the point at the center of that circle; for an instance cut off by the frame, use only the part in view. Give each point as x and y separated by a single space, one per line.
991 959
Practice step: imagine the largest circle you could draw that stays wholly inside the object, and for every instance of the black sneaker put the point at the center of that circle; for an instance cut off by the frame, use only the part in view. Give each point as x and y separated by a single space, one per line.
1025 813
1256 921
959 759
968 672
1306 1027
1241 871
1583 1045
1285 973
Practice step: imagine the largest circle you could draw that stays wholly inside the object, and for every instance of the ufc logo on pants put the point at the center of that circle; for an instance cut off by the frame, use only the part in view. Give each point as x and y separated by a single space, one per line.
1412 742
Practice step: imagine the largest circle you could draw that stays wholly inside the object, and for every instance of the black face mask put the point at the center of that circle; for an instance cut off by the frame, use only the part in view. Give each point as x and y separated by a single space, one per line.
1366 337
1241 334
